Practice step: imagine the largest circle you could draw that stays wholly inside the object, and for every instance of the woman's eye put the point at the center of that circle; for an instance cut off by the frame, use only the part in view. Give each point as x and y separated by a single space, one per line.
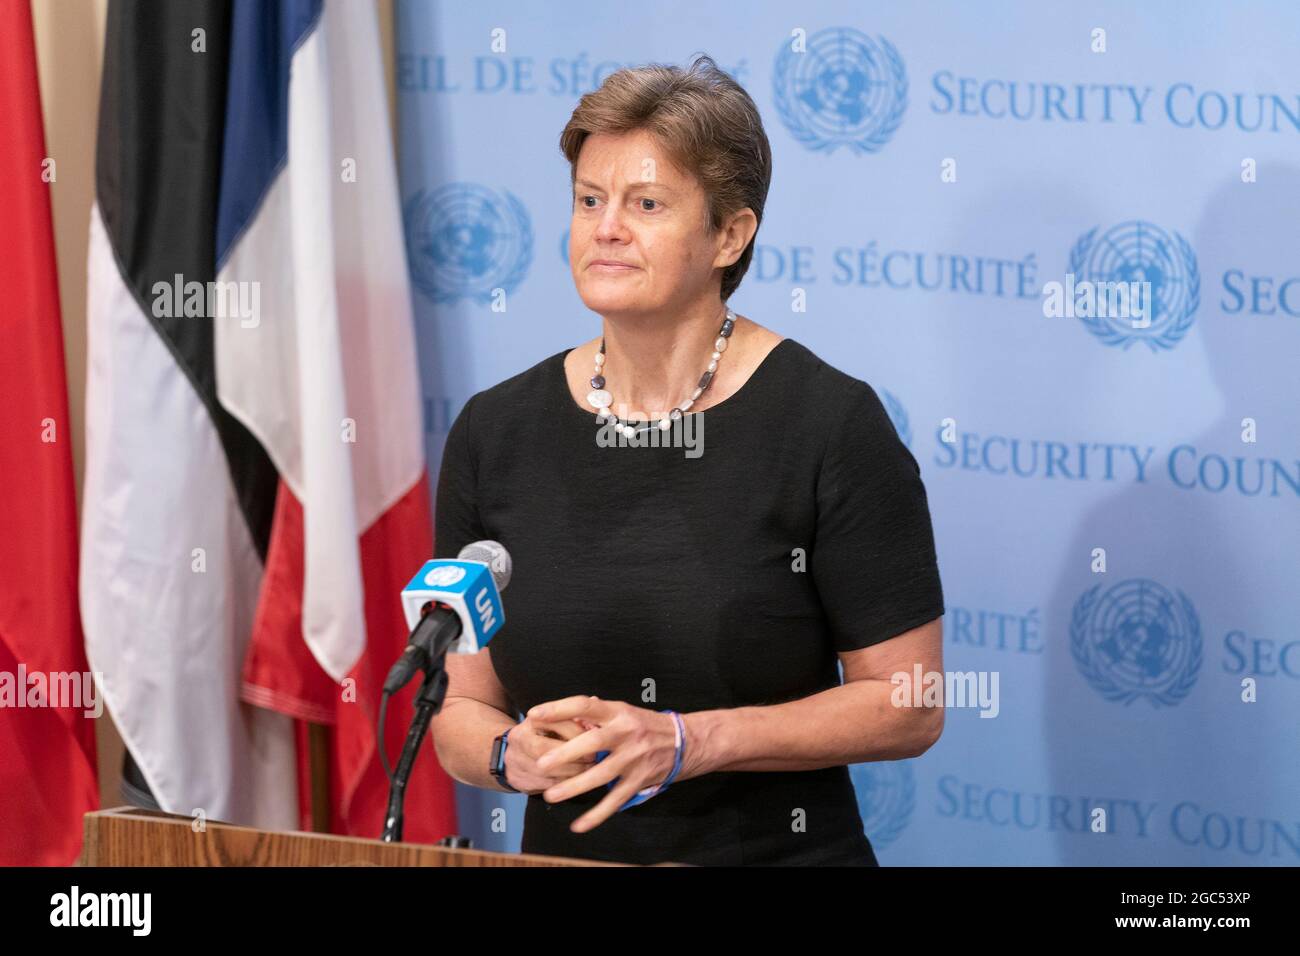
584 199
651 208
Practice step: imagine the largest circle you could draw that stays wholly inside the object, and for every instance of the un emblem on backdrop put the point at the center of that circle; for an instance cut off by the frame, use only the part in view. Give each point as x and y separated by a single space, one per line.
897 415
886 794
1138 251
1136 640
845 89
464 240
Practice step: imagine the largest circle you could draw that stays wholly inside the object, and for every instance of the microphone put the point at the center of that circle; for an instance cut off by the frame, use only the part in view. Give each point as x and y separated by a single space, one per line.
452 607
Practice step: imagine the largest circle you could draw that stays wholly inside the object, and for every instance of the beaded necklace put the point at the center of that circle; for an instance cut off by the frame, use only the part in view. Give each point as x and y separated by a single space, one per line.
599 398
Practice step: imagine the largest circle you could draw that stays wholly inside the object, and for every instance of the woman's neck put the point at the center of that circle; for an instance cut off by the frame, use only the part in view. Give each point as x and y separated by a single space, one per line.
652 366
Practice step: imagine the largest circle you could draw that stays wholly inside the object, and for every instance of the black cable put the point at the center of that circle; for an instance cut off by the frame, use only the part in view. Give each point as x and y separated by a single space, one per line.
383 752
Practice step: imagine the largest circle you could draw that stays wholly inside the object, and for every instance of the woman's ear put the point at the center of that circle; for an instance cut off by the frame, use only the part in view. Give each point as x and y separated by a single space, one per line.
738 229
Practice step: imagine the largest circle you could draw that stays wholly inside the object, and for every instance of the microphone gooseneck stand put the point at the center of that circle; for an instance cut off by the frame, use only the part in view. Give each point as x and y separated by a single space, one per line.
428 701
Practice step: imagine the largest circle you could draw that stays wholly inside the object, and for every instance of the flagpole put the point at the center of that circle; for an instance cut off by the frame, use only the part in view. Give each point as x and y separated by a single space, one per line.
318 749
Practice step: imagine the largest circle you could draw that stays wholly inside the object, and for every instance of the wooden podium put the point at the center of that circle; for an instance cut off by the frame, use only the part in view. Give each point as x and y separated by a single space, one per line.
129 836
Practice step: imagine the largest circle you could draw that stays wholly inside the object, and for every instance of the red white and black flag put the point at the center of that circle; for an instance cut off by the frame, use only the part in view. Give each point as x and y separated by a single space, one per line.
255 492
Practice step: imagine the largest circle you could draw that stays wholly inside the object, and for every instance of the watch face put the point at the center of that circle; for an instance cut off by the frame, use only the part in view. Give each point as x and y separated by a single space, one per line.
497 762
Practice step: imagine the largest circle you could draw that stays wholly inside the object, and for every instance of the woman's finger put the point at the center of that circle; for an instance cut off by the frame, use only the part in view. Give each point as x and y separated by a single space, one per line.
607 807
579 705
560 771
559 729
580 748
597 775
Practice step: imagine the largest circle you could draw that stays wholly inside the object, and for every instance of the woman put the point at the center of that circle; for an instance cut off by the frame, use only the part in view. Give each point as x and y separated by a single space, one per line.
679 616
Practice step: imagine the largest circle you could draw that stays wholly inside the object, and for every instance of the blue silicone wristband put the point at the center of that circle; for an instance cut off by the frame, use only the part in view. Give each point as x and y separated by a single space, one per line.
643 795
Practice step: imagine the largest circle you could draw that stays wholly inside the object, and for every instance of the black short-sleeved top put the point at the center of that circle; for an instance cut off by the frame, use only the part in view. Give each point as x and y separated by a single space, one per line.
644 571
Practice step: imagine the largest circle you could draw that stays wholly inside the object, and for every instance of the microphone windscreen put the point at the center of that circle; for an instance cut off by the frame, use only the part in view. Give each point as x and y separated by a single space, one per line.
494 555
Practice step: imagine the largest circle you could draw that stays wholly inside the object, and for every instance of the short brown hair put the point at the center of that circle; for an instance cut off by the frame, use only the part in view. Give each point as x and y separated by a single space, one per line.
705 121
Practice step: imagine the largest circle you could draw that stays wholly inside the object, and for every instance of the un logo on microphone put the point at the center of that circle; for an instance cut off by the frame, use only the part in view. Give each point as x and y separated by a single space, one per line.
1132 254
886 793
1137 640
465 241
845 89
444 576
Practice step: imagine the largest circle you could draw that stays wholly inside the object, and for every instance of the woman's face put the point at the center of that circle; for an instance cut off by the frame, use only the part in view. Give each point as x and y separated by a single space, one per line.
639 241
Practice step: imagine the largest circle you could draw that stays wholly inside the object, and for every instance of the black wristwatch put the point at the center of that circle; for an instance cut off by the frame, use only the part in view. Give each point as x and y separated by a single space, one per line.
498 765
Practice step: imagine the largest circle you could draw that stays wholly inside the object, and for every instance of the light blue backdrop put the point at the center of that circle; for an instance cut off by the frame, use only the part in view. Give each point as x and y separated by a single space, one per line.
1173 156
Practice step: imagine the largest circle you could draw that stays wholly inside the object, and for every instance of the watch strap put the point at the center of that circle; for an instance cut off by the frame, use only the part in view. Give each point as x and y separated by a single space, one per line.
498 764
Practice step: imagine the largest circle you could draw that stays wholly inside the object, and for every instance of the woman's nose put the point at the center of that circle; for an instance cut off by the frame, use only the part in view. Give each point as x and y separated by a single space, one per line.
611 225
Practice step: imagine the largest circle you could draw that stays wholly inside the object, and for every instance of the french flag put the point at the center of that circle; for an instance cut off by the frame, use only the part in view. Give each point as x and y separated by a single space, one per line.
254 408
